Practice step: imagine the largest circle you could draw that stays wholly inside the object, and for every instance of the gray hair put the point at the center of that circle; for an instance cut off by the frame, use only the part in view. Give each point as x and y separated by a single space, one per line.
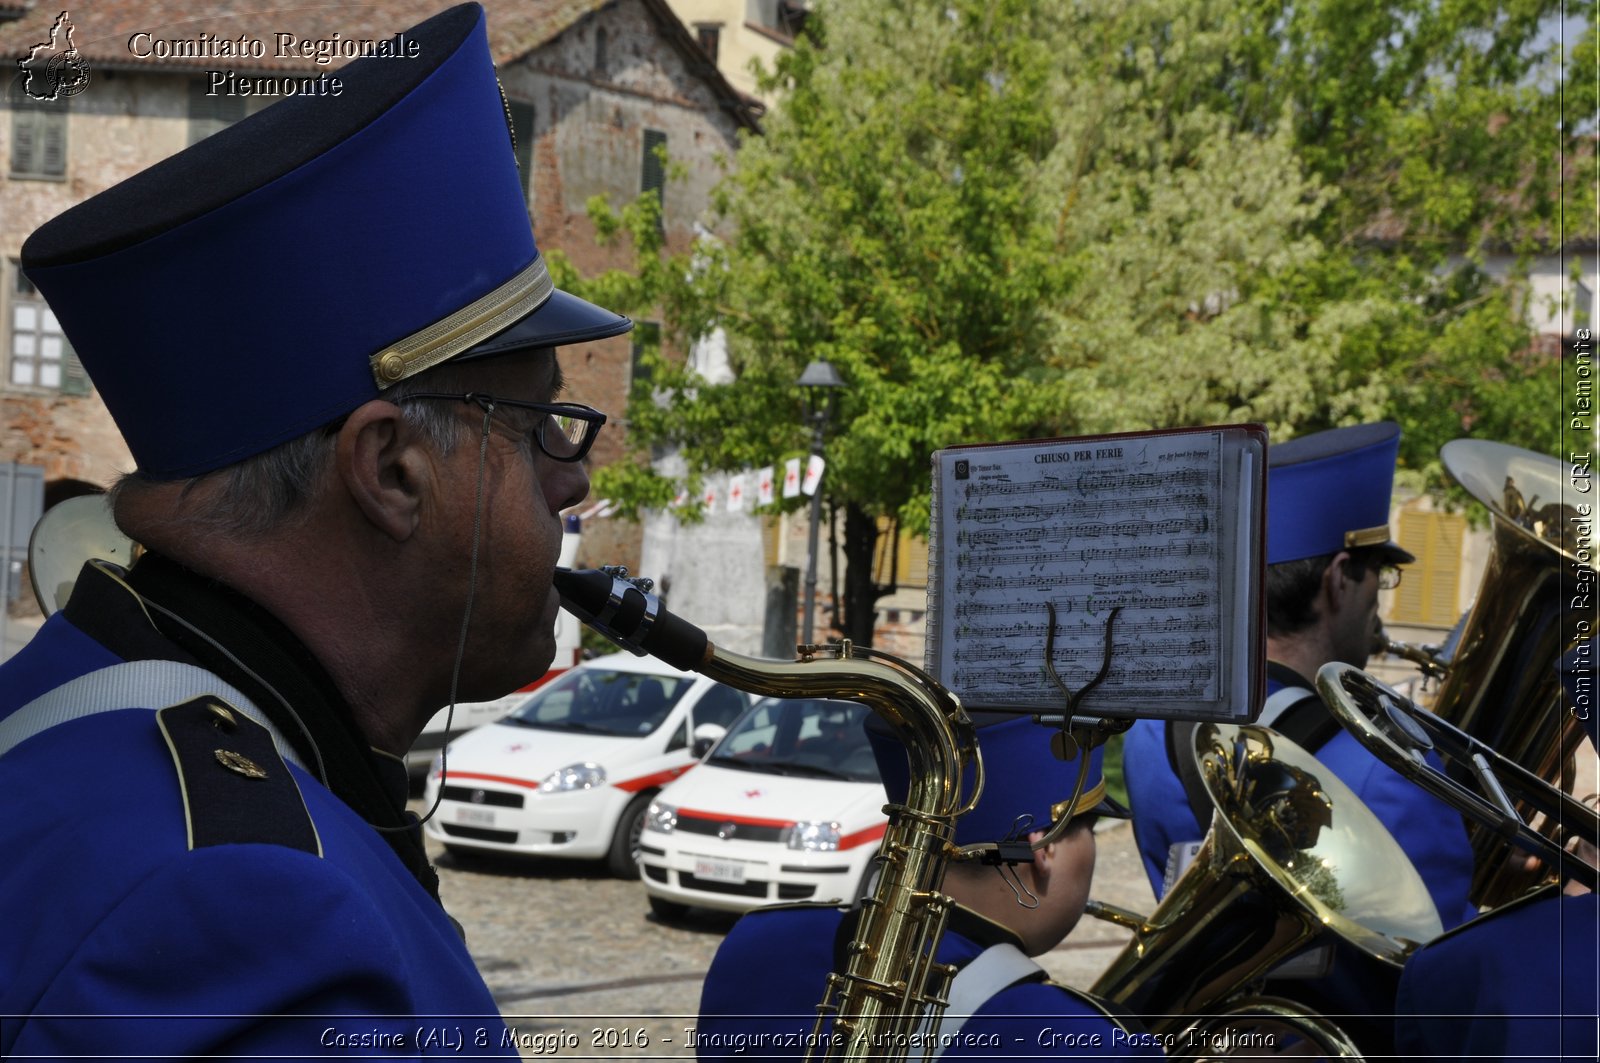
267 490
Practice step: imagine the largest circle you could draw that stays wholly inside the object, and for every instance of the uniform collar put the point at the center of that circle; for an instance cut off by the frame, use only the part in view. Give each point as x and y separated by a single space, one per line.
1285 676
160 610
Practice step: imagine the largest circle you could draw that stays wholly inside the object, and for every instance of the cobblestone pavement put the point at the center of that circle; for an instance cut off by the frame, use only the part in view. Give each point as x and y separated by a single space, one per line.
580 967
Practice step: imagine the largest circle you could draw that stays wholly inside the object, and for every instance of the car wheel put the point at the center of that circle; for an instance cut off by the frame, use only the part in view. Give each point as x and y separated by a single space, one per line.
667 911
623 858
868 886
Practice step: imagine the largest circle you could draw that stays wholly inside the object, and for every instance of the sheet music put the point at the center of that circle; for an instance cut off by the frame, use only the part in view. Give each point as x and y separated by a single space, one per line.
1134 522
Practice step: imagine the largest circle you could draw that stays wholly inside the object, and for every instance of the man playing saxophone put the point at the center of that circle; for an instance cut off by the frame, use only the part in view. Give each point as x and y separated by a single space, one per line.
327 336
764 984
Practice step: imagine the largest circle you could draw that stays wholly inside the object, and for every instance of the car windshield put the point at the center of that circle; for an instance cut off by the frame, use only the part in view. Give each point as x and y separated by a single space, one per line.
602 701
801 736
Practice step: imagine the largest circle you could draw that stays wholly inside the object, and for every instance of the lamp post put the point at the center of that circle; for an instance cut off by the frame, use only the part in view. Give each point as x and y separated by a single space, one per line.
820 382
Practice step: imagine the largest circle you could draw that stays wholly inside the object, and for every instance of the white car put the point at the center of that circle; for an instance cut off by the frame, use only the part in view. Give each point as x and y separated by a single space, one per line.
570 771
788 806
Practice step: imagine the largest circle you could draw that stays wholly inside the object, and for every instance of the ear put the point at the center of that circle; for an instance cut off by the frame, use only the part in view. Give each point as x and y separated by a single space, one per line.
1337 585
384 467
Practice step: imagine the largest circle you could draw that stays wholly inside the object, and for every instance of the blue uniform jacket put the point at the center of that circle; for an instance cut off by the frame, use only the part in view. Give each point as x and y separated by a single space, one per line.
767 978
1429 831
1517 983
122 939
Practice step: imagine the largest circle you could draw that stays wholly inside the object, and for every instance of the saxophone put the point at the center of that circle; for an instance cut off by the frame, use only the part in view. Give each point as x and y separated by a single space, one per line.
892 987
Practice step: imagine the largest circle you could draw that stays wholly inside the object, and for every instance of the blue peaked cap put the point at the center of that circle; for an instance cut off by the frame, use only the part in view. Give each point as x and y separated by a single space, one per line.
1022 777
289 268
1329 491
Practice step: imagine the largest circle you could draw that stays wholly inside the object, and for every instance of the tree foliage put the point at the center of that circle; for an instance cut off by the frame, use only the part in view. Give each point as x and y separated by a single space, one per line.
1016 218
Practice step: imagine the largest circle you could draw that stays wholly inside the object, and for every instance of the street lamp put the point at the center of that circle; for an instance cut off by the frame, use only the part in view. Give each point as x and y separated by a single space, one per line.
820 382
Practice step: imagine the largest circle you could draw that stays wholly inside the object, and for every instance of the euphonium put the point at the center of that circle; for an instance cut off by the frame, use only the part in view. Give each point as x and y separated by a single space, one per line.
1496 791
1292 864
892 985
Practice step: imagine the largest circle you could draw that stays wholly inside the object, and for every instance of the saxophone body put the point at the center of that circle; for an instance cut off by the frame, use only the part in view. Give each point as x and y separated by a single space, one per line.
893 986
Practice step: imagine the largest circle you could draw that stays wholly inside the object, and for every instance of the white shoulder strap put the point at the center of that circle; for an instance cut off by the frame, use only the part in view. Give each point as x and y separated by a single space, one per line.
1275 705
149 685
996 968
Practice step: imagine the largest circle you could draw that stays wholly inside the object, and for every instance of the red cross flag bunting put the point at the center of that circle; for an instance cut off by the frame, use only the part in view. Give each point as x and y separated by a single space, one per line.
814 467
764 486
791 478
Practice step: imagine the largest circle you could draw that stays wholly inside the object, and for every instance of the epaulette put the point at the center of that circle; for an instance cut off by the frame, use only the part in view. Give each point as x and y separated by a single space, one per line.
236 788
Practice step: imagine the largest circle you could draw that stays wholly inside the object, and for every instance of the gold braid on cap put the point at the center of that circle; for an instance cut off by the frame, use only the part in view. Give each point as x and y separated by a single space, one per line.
1366 537
1066 809
474 323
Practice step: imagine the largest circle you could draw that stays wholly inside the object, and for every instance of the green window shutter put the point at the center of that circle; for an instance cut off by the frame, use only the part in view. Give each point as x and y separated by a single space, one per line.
54 163
522 133
653 175
74 380
211 114
646 337
24 138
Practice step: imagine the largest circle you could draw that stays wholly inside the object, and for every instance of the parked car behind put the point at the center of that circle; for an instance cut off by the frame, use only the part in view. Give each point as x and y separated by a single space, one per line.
788 806
570 771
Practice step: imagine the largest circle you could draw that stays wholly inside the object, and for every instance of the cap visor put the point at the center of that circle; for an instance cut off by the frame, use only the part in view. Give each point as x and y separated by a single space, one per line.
560 320
1112 808
1396 554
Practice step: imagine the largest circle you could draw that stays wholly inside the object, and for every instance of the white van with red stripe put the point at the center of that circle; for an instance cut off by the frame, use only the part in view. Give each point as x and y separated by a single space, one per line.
570 770
788 806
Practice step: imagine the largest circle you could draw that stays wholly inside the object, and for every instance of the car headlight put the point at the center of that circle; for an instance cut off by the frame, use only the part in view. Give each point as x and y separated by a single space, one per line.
812 836
660 818
585 776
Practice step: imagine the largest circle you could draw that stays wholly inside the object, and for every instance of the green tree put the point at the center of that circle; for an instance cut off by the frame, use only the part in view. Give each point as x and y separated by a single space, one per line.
1039 217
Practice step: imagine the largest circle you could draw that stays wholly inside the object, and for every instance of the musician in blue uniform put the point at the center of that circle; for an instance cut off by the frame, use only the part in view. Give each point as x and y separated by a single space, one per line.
326 335
1521 981
764 984
1328 554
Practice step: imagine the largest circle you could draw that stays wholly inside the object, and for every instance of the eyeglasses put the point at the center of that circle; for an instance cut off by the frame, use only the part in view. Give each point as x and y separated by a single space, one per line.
565 431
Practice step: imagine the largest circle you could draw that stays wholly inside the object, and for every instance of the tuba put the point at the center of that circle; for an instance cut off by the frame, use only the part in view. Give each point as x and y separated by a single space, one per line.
1500 686
893 984
1294 870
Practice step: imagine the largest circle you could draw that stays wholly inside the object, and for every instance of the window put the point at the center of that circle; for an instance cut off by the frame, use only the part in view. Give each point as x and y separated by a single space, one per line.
38 138
646 337
41 357
1427 595
522 133
721 706
653 169
211 114
709 34
901 559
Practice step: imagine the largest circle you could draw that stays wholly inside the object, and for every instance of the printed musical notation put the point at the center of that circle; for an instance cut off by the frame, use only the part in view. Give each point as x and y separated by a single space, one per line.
1137 523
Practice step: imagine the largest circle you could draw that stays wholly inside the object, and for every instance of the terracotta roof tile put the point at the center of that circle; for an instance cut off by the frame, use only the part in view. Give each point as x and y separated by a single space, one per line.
102 33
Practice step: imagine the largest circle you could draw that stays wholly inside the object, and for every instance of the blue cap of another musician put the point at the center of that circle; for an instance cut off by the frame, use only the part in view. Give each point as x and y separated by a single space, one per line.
1330 491
1025 787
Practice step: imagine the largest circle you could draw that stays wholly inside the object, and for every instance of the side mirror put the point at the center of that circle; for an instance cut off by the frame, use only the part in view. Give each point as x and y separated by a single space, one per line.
706 736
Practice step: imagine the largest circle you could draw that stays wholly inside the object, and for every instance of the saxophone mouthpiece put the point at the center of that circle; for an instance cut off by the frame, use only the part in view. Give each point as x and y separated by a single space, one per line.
622 609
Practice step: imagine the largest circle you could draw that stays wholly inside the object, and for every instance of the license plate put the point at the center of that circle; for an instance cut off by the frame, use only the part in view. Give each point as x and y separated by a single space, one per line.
719 871
478 817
